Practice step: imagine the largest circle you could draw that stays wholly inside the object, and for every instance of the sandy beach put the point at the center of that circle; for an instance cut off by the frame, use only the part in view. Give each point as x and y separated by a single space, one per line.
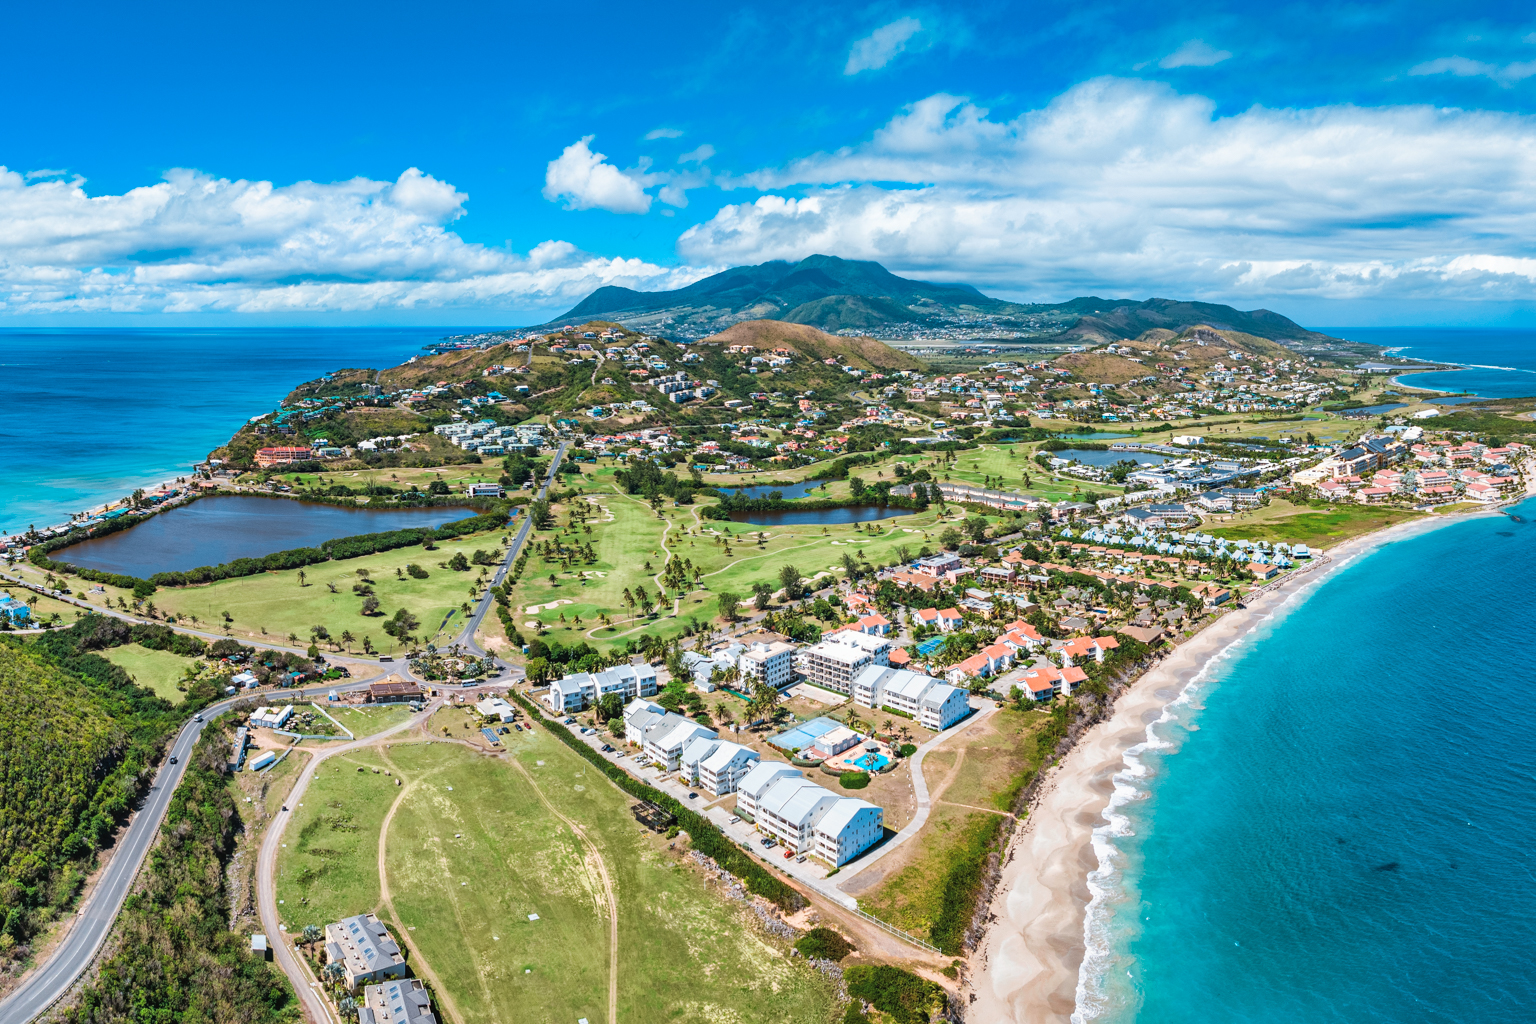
1027 967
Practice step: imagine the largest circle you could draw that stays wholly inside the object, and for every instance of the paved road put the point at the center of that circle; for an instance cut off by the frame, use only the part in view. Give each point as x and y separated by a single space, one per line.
95 917
316 1007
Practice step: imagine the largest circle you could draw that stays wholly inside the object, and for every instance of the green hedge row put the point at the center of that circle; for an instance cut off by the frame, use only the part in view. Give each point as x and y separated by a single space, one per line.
908 998
707 837
962 883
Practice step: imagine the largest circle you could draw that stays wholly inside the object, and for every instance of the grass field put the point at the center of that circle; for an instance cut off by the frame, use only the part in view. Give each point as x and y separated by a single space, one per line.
370 719
1302 524
456 477
272 605
158 670
473 849
970 777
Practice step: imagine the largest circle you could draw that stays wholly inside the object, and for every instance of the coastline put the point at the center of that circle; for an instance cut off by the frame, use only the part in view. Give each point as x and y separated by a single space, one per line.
1029 966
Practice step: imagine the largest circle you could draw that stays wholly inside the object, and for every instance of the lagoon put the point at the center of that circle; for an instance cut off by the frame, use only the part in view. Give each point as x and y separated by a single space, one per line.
220 529
787 491
824 517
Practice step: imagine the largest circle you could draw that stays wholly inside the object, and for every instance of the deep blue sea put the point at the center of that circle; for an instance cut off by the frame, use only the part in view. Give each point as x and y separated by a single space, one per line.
88 415
1501 364
1335 825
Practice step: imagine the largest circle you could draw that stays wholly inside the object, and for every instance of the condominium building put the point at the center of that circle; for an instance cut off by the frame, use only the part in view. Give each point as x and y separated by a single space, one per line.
396 1002
932 704
660 733
772 663
581 690
716 765
362 945
805 817
836 660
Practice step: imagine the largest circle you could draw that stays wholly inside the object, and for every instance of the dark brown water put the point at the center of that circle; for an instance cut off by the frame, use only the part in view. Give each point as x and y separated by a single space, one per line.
214 530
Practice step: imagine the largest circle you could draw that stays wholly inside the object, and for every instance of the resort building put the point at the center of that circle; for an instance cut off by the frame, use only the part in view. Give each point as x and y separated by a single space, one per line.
834 662
722 768
364 949
581 690
805 817
1082 647
660 733
396 1002
772 663
932 704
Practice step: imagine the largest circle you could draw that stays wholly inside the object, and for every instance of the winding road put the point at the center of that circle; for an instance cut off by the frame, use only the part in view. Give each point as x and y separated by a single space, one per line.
50 980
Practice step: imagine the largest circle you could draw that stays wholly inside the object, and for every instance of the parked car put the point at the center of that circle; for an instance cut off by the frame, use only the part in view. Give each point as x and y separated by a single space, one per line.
800 859
693 796
734 820
385 657
788 854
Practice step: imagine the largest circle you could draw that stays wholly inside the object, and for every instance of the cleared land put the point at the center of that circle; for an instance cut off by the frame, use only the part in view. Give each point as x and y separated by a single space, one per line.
971 780
472 850
273 605
370 719
1301 524
158 670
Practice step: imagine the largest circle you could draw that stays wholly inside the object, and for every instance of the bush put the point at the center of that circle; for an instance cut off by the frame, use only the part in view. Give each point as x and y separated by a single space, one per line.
853 780
907 749
902 994
416 571
824 944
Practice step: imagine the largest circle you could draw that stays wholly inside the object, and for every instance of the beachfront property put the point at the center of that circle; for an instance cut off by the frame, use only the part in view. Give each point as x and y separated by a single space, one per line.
581 690
271 718
396 1002
832 663
660 733
805 817
771 662
715 765
269 457
932 704
365 950
1095 647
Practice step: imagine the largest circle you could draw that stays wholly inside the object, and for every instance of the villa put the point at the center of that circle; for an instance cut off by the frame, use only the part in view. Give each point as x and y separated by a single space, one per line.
396 1002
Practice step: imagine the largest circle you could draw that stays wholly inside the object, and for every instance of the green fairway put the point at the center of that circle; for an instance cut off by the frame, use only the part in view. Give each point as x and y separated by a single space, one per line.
1317 529
158 670
273 605
473 849
329 867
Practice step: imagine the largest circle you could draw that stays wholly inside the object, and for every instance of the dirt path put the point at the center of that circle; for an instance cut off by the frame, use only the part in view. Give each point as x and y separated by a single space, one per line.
419 963
613 902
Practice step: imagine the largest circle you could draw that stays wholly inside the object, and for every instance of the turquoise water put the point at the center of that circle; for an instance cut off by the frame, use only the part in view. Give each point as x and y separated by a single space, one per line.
872 762
1501 363
1334 825
91 414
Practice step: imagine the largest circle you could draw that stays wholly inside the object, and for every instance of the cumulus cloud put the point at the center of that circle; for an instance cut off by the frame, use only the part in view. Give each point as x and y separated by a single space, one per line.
1196 53
881 46
586 181
1128 186
1464 67
193 242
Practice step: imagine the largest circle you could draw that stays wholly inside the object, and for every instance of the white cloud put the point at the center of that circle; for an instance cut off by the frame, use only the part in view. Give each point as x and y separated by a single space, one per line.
697 156
1465 67
1196 53
198 243
881 46
663 133
1129 187
585 180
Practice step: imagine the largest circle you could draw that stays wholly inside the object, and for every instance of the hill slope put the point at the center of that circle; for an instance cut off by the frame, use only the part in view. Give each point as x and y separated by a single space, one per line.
861 353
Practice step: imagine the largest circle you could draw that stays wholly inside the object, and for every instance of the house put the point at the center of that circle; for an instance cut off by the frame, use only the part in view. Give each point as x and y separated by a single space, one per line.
1086 646
362 945
1021 636
495 707
977 666
932 704
834 662
1041 683
581 690
771 662
927 617
939 565
396 1002
832 743
875 625
1263 572
393 693
1210 594
950 619
271 718
999 657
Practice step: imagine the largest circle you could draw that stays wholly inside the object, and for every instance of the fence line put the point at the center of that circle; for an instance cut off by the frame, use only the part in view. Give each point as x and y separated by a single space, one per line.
897 931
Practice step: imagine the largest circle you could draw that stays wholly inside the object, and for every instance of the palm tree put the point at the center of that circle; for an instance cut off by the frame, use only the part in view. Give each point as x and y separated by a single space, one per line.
302 577
346 638
887 726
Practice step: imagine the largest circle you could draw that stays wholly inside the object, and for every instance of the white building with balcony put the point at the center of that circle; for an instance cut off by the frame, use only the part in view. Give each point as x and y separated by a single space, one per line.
834 662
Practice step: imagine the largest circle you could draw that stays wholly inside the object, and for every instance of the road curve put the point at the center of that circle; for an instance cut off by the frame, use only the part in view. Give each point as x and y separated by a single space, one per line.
95 917
316 1008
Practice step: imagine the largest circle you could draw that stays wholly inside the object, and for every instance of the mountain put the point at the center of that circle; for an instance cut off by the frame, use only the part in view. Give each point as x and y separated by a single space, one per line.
860 296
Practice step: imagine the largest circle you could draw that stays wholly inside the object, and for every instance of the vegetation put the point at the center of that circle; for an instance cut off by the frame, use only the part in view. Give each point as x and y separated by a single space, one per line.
823 944
907 998
174 959
853 780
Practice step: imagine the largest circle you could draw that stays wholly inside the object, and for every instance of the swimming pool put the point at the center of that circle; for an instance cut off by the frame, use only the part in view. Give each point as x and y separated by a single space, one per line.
872 762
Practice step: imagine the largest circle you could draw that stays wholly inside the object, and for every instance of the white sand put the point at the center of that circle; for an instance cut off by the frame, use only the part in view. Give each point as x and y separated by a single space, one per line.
1027 967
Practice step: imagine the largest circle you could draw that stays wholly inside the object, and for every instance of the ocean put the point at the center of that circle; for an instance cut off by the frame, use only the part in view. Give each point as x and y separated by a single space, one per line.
1333 824
1500 364
88 415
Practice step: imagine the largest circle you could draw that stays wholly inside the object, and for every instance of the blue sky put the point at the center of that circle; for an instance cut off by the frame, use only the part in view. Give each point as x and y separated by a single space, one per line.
1347 164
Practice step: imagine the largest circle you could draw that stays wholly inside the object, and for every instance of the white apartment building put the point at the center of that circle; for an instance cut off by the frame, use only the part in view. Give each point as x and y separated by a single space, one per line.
660 733
834 662
363 947
805 817
934 705
583 689
771 663
716 765
396 1002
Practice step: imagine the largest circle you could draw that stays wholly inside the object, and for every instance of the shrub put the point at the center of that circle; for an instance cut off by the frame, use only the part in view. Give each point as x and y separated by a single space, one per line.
908 749
824 944
853 780
906 997
416 571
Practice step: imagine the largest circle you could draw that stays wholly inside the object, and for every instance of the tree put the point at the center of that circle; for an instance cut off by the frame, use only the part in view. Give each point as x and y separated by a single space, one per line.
301 577
789 579
538 670
611 706
976 529
370 606
727 602
762 593
367 646
347 639
950 538
458 563
402 624
646 602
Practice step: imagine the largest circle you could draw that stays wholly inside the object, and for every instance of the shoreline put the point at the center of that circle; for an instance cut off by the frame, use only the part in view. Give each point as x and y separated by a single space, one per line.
1029 965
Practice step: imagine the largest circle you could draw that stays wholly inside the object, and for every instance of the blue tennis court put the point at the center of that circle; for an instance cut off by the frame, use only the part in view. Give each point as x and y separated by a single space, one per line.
804 734
930 645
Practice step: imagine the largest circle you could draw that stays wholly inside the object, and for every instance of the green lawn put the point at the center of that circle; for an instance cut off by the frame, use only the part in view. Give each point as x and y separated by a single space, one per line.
473 850
329 868
158 670
1316 529
272 605
368 720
